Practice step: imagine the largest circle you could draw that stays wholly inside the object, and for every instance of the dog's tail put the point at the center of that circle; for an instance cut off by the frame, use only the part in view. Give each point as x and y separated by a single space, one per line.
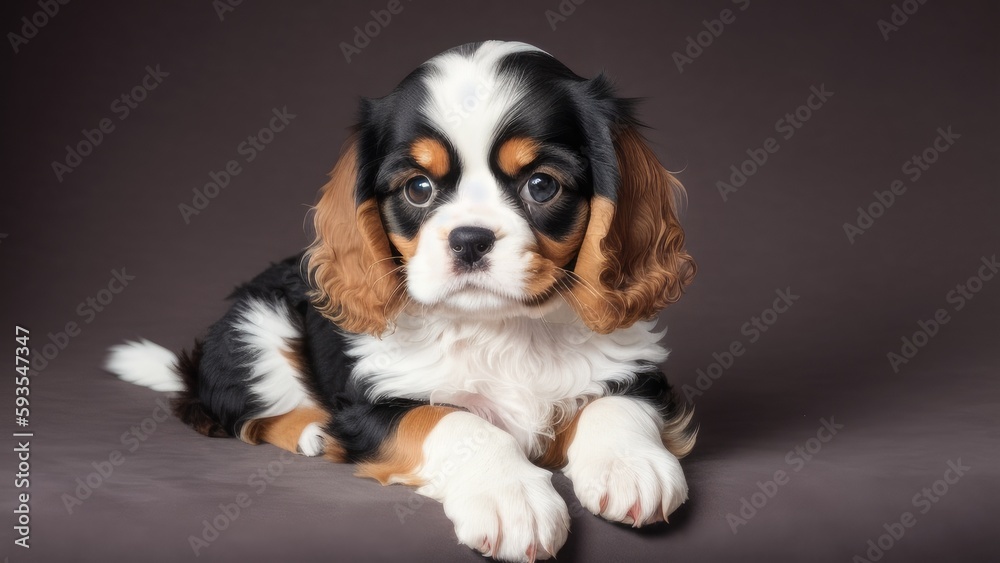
145 363
151 365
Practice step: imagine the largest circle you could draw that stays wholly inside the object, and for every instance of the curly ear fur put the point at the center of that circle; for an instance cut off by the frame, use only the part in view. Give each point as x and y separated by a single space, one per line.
356 283
632 262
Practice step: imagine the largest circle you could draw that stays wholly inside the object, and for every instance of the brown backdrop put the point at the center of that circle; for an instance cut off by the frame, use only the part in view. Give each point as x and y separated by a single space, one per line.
880 94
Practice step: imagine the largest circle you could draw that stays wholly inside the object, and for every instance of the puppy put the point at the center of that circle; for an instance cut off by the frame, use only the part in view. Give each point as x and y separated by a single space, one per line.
477 306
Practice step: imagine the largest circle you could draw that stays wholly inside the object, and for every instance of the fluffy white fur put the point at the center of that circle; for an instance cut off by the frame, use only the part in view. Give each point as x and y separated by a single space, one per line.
501 504
265 329
524 375
619 466
467 98
144 363
312 441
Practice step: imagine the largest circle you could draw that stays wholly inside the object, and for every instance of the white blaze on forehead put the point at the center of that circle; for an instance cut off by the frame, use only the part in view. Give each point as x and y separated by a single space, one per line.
466 101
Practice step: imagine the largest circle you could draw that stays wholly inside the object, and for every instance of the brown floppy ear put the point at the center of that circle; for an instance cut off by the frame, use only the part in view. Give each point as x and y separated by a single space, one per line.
356 283
632 261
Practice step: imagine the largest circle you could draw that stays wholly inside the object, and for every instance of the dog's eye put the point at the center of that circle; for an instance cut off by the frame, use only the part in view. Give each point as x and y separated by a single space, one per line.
419 191
540 188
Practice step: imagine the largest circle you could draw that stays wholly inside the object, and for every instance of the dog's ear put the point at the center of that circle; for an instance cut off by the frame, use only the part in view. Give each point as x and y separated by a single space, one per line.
356 282
632 262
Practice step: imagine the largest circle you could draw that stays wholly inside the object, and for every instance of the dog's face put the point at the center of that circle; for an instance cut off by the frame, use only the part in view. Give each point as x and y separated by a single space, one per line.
484 190
493 182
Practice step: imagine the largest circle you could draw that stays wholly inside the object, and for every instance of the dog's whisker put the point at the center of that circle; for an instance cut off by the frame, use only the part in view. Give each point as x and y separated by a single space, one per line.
377 262
387 274
589 288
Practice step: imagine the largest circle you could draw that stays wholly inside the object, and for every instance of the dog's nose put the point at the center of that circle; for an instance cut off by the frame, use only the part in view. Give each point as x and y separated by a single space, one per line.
470 244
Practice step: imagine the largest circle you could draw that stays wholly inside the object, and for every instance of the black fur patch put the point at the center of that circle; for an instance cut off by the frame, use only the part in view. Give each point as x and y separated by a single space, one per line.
187 406
567 109
651 386
361 427
218 400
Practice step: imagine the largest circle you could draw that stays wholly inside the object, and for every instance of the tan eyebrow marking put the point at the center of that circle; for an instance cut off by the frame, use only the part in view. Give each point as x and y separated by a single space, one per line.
432 155
515 154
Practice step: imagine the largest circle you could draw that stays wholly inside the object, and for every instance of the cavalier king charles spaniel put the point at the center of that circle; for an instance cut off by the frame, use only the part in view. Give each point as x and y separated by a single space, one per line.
477 308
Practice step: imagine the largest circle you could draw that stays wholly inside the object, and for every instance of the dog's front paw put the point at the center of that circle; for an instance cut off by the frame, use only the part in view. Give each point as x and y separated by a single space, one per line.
637 487
518 517
619 466
500 503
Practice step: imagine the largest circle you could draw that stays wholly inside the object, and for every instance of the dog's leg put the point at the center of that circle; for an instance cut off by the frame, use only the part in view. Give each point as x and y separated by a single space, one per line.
299 431
500 503
619 465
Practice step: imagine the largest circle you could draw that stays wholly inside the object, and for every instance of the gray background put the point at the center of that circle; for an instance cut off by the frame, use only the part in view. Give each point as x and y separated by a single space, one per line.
825 357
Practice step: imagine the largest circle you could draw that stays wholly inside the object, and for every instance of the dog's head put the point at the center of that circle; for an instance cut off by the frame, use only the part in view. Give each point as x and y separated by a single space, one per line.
493 182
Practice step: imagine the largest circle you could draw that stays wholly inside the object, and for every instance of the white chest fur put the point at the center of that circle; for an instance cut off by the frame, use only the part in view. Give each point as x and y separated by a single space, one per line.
524 375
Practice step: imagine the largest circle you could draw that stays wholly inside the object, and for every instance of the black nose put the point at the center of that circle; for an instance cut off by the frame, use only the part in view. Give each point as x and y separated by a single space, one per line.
470 244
